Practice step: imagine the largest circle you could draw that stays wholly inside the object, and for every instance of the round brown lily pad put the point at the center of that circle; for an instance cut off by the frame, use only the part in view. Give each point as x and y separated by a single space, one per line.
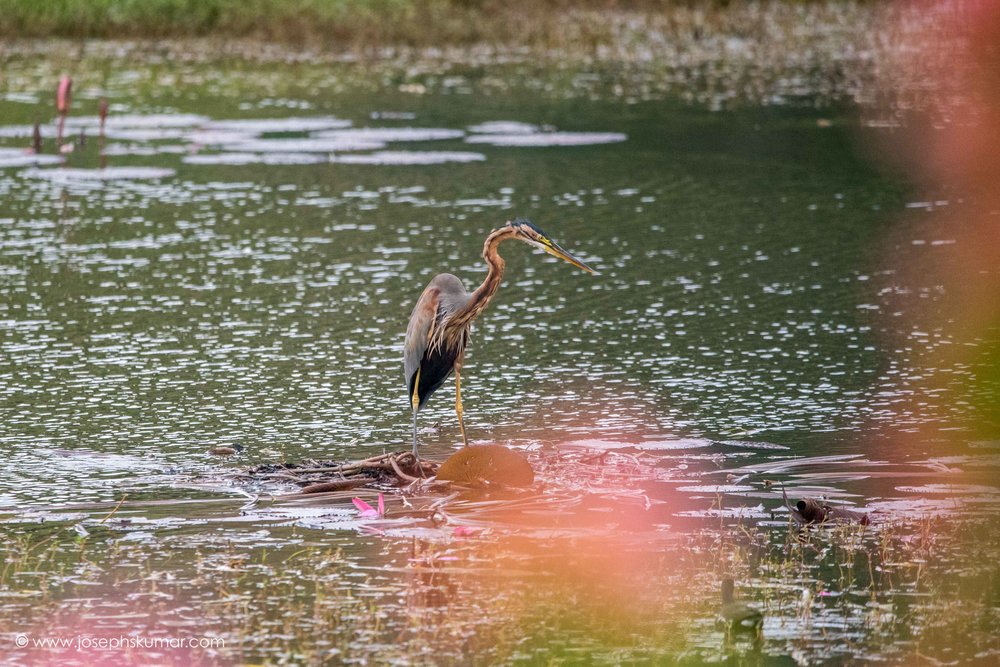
494 464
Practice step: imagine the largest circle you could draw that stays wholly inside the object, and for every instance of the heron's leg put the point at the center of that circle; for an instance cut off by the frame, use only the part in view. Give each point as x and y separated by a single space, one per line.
415 404
415 435
458 403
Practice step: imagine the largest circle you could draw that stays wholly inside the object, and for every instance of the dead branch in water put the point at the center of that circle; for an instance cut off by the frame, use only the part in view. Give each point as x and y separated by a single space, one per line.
389 469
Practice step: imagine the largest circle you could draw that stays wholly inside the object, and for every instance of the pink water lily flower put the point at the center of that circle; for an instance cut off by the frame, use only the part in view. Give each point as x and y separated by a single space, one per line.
369 512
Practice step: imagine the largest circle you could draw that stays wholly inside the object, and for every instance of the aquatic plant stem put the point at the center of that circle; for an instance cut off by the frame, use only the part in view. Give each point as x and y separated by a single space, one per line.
117 507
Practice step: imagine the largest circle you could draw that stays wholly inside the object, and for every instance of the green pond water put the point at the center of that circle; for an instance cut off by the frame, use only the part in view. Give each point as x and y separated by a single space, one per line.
256 294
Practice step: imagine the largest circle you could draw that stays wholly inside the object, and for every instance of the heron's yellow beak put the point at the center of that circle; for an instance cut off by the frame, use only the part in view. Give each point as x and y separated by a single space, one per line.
553 248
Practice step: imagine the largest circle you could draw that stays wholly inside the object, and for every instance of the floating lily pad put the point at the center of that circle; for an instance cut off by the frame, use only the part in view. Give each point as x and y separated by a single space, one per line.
548 139
933 507
393 115
145 133
477 202
393 134
950 489
749 444
107 174
16 157
756 512
264 125
487 463
715 488
410 157
239 159
152 120
213 137
25 131
503 127
146 149
308 145
24 98
664 444
673 443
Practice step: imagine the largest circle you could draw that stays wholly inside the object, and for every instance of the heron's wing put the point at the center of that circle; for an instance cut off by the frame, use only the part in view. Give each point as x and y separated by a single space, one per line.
418 332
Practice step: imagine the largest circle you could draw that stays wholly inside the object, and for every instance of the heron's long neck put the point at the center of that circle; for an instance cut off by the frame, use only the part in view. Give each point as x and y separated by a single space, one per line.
483 294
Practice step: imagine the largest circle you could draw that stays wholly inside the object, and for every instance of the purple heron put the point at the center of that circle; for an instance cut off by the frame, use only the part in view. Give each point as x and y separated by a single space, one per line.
438 332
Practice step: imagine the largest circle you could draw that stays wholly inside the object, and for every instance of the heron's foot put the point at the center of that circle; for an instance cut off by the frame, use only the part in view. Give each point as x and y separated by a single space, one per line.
418 466
397 462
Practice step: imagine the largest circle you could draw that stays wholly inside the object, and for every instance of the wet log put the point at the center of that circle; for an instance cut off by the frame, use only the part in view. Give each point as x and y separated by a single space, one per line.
481 466
487 464
385 470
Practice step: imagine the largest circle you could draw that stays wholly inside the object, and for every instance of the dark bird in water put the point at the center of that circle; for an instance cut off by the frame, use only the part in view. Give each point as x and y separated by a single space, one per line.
738 615
438 332
809 511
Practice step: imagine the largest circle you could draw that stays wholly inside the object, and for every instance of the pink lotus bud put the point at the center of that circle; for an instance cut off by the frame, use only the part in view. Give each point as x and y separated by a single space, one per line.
63 95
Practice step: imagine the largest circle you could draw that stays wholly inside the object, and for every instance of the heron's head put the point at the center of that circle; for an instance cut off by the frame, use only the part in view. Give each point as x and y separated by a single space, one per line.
525 231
